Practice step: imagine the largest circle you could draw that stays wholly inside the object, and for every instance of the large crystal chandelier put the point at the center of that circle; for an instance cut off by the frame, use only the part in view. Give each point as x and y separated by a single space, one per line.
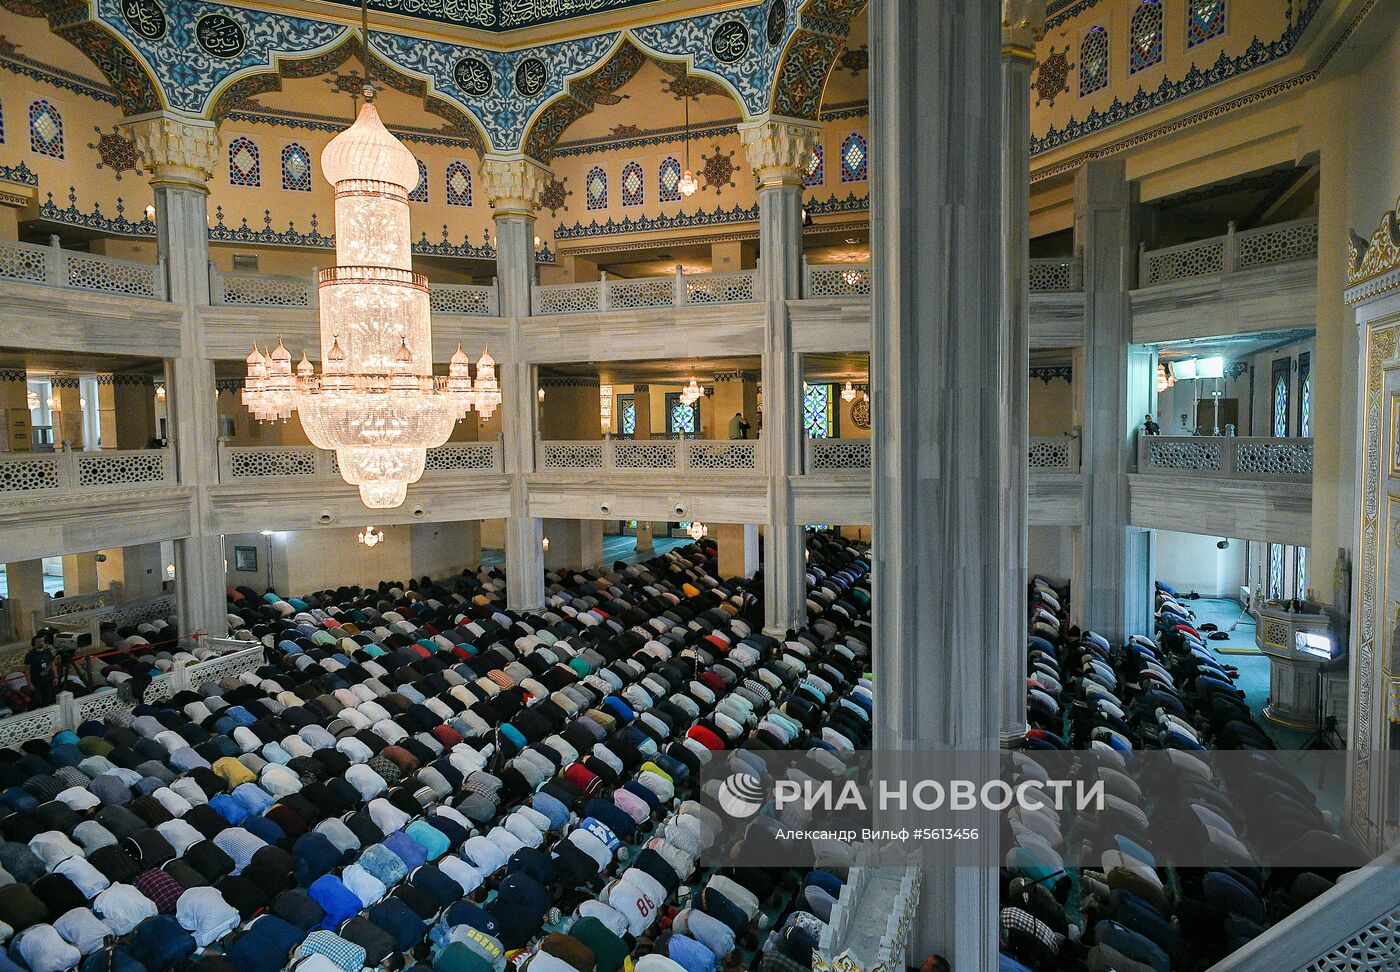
376 402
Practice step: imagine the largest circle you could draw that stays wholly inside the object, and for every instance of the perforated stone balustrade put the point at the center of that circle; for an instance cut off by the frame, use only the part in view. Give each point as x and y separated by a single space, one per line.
1238 457
671 455
37 473
53 266
674 290
239 464
1262 247
245 289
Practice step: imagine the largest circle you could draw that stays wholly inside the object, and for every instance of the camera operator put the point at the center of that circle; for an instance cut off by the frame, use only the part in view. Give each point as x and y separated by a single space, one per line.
40 661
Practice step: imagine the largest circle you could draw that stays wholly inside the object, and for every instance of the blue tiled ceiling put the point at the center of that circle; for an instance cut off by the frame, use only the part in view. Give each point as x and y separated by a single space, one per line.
499 15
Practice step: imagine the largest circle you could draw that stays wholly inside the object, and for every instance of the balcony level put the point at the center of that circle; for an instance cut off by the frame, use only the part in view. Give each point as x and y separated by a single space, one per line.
69 502
1260 280
1252 488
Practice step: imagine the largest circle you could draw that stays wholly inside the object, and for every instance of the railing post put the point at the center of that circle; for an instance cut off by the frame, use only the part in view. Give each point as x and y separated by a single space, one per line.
603 290
758 289
1142 464
1231 257
1229 452
609 451
805 281
678 294
682 453
162 285
180 678
67 710
495 306
216 284
53 270
1076 271
1143 278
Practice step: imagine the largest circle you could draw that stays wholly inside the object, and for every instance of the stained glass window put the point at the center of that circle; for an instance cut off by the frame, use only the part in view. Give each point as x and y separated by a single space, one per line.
596 188
45 129
1145 36
243 166
1300 572
631 184
668 179
296 168
1276 570
1205 20
1281 404
2 124
1305 417
681 417
459 185
816 168
853 158
627 422
420 191
1093 61
817 411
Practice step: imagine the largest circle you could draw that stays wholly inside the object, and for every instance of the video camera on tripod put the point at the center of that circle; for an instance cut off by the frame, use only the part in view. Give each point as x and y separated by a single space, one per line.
68 643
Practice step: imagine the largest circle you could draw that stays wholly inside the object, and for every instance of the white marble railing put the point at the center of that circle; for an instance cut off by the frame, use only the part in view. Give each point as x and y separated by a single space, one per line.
1353 925
242 464
32 473
630 455
117 613
870 922
1057 453
675 290
1236 457
243 289
835 279
837 455
72 712
1234 251
1051 275
62 607
54 266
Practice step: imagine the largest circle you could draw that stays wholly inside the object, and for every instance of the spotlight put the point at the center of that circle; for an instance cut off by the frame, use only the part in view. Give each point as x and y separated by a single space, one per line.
1222 544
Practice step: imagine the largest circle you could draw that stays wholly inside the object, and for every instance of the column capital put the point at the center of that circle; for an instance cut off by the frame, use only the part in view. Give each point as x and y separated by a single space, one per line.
176 149
1022 25
779 149
722 377
513 184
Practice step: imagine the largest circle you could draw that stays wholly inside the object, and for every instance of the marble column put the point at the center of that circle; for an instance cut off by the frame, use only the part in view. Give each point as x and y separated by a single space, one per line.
512 186
1022 23
68 417
79 573
938 350
181 155
735 391
738 548
641 398
25 579
134 401
1114 599
779 150
14 409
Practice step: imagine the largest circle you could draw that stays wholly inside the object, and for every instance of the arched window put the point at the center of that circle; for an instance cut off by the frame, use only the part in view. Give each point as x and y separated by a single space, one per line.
816 168
243 166
459 185
596 188
627 423
1145 36
1093 61
1305 405
681 417
668 180
45 129
1300 572
1280 404
296 168
1205 20
420 191
1276 591
632 184
853 158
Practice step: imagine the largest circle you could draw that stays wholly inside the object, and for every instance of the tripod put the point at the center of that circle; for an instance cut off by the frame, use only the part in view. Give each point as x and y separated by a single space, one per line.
68 666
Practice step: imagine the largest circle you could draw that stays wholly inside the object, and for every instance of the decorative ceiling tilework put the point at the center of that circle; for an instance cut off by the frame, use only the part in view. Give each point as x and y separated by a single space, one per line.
205 44
742 47
498 15
520 82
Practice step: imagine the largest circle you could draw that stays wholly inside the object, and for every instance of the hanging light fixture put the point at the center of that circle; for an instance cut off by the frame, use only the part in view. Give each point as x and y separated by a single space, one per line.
690 394
376 402
539 393
688 184
160 393
369 536
53 402
32 400
848 393
697 530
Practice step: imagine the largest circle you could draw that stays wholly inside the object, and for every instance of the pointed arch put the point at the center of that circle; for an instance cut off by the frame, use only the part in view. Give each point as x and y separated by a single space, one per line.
296 168
462 124
45 129
811 55
584 93
1145 31
459 185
